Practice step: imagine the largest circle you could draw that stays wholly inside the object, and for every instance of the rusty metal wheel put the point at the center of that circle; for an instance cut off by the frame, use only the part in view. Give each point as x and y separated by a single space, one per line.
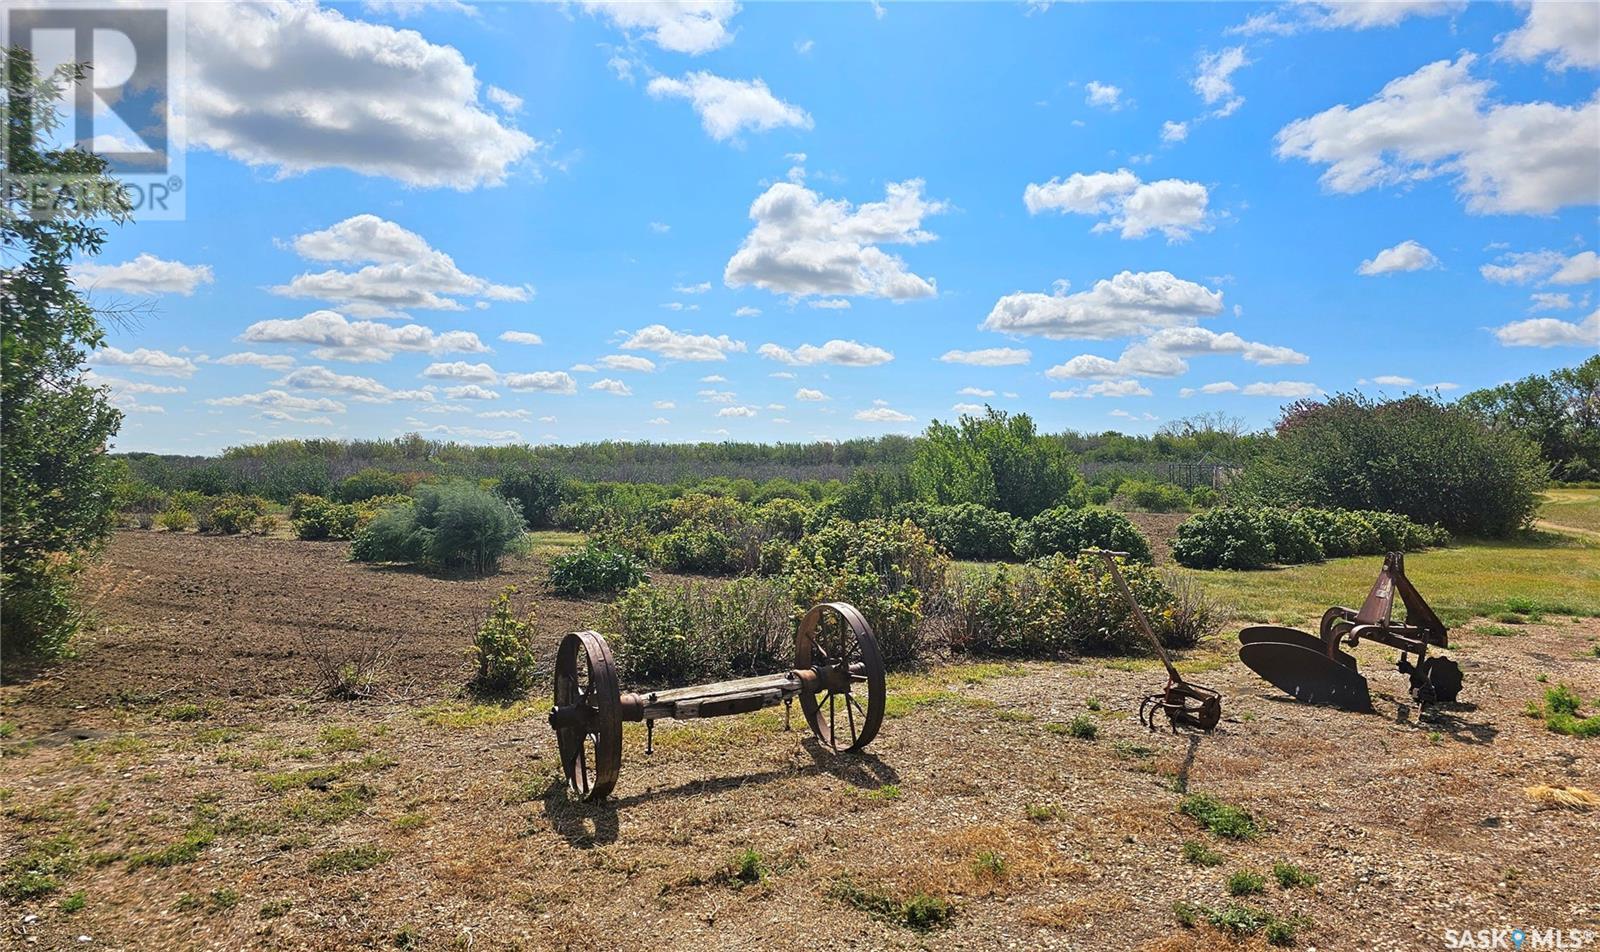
836 643
587 717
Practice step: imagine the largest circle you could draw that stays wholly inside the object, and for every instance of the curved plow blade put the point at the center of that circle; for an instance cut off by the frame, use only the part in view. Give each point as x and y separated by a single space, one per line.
1307 675
1293 636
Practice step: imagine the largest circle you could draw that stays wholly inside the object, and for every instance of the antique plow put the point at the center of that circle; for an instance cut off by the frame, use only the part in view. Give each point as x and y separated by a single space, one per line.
1185 704
836 667
1316 670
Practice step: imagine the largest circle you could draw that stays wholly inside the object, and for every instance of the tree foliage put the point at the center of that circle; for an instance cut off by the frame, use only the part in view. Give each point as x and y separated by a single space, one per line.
56 482
1438 464
1559 411
995 460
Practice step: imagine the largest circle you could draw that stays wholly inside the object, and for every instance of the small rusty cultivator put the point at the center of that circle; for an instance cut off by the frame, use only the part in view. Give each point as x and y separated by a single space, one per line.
836 667
1316 671
1185 704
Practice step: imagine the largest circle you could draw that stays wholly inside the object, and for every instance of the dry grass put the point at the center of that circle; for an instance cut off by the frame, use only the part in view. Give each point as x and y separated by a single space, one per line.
1575 798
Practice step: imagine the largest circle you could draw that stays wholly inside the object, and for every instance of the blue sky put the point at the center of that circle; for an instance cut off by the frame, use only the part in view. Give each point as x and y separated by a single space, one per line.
801 221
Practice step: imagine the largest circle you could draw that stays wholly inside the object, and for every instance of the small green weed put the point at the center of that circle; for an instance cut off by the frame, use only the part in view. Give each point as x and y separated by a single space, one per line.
1246 882
1221 819
989 865
353 859
1196 853
1289 876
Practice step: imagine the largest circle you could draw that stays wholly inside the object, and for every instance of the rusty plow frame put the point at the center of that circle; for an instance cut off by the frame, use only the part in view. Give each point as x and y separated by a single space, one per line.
1315 668
1185 704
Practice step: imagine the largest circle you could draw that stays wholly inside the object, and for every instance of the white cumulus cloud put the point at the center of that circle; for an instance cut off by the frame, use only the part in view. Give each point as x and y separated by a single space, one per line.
678 26
846 353
1174 207
145 274
336 338
1527 158
1551 332
1408 255
296 87
144 360
729 107
988 357
803 244
678 345
1122 306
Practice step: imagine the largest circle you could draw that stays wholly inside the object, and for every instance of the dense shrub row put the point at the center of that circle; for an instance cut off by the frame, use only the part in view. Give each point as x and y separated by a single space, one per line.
687 631
1243 537
595 569
1061 604
682 631
454 526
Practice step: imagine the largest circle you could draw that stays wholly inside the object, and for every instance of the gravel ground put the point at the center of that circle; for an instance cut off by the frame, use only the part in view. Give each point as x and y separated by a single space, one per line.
216 805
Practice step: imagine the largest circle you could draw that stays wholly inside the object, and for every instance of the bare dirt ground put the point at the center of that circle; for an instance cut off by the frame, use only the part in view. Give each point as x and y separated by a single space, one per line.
213 803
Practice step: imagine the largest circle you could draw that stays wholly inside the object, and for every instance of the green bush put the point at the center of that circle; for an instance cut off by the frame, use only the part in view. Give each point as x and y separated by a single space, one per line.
1069 531
538 492
235 514
692 631
1246 537
368 483
698 549
1292 540
503 646
453 526
316 519
1435 463
1340 533
1203 497
995 459
37 610
1227 537
175 519
594 569
968 530
1147 496
1064 605
889 570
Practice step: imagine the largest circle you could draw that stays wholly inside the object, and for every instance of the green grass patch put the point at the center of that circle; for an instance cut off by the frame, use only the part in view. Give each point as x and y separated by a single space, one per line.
185 712
1238 920
408 822
1289 876
889 791
327 807
1196 853
1043 812
749 868
919 911
186 850
1536 574
351 859
1218 818
1572 508
1246 882
73 903
38 870
274 908
989 864
1562 713
1082 727
457 716
335 738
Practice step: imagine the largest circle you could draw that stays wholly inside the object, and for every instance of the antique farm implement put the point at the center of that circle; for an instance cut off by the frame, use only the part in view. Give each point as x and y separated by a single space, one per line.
1185 704
1316 670
837 677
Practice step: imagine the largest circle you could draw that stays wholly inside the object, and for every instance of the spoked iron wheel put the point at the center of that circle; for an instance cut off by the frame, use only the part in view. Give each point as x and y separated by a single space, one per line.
837 645
587 716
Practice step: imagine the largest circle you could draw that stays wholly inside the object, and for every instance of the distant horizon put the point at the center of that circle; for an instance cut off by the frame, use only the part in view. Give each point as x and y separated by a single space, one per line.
561 224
